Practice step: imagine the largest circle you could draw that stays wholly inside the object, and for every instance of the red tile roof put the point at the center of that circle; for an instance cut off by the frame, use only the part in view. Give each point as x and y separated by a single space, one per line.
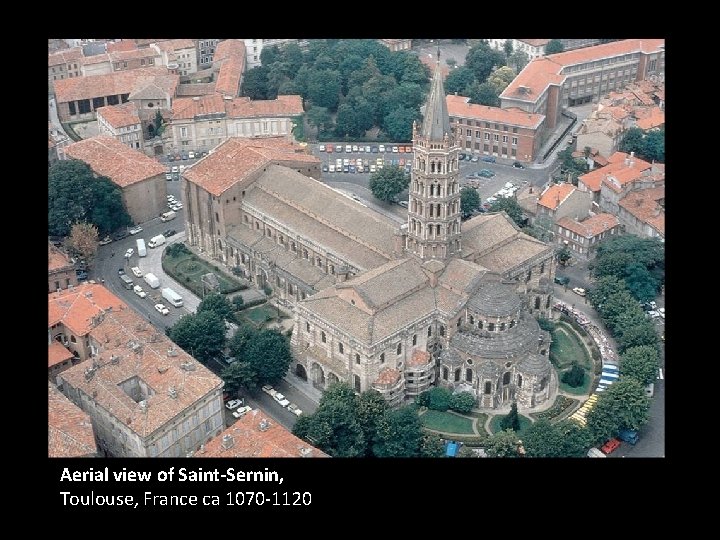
644 205
118 82
122 45
555 195
57 353
120 115
236 158
591 226
109 157
175 44
57 260
245 438
70 431
419 358
542 72
75 308
616 168
387 376
239 107
649 118
65 56
459 107
231 52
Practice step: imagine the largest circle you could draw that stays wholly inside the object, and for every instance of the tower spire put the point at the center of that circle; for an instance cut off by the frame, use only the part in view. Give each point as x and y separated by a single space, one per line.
436 122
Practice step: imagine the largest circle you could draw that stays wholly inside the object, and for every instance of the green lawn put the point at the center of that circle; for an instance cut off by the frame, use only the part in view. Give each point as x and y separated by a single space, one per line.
259 315
495 423
583 389
447 422
187 269
567 348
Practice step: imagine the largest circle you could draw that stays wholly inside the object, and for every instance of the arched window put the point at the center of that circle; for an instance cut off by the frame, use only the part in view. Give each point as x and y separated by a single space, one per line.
341 348
437 230
457 375
543 383
491 327
542 268
472 319
382 358
442 331
506 378
323 337
547 304
519 381
414 339
445 373
537 302
468 375
72 338
488 387
398 349
357 358
480 325
502 327
459 321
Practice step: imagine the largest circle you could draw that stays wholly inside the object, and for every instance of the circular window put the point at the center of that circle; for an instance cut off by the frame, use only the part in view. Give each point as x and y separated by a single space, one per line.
508 364
151 104
469 362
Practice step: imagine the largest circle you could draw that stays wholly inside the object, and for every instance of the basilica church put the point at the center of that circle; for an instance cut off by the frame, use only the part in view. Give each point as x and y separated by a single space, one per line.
395 308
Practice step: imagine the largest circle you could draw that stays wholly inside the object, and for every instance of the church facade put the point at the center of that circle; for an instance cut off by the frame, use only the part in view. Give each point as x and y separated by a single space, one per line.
394 308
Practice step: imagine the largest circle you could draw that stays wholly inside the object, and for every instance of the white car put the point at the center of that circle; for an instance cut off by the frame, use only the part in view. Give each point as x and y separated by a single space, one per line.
382 149
267 389
281 399
174 168
191 155
233 404
162 309
129 253
105 241
242 411
135 230
331 168
294 409
137 289
321 148
136 271
579 290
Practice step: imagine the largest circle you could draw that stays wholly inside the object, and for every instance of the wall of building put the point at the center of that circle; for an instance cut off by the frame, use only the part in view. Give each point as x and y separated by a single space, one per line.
605 144
513 142
147 199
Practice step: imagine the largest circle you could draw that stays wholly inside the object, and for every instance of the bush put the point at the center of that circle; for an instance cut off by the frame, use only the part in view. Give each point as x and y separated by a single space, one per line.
439 399
238 302
252 303
574 377
546 324
462 402
267 290
423 399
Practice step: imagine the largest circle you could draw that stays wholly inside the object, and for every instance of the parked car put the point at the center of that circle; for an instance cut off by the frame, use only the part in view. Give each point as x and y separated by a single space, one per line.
321 148
294 409
630 436
488 159
121 272
82 275
610 446
242 411
404 204
162 309
105 241
136 271
120 235
564 280
233 404
174 169
168 176
191 155
486 173
518 165
474 159
281 399
136 230
325 168
129 253
579 291
169 232
267 389
381 148
137 289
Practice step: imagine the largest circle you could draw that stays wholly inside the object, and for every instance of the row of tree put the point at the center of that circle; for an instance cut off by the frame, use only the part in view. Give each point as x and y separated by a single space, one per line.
648 145
349 85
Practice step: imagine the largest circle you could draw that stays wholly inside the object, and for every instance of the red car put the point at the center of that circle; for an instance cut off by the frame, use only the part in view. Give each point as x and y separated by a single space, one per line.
610 446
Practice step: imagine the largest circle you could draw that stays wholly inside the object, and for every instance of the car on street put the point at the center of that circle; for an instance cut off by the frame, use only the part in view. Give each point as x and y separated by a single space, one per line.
579 291
136 230
191 155
169 232
474 159
325 168
162 309
129 253
321 148
136 271
105 241
610 446
168 176
561 280
486 173
120 235
121 272
381 148
81 275
174 169
461 156
294 409
404 204
233 404
374 149
137 289
518 165
488 159
280 398
267 389
242 411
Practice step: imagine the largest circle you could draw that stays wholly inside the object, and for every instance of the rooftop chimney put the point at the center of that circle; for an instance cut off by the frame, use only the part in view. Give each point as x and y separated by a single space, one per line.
305 452
227 441
264 424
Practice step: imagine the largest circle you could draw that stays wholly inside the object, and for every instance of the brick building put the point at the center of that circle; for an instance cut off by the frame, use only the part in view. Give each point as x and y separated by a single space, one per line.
141 179
70 432
507 133
145 397
257 435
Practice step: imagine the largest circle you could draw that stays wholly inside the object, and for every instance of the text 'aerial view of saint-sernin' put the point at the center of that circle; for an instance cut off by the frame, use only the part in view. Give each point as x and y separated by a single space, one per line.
356 248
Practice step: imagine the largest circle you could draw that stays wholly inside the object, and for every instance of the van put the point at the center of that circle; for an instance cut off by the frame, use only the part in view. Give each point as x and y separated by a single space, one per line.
156 241
127 282
595 452
142 252
630 436
171 296
167 216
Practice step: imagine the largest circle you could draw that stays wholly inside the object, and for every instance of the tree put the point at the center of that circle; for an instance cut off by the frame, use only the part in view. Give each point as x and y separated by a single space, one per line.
503 444
484 94
632 141
398 123
347 123
481 59
641 363
399 434
324 88
458 80
469 200
159 123
238 302
439 398
462 402
576 440
654 146
542 439
574 377
564 255
320 118
640 282
638 336
518 60
605 287
511 420
387 183
218 304
84 240
508 48
371 407
240 339
431 446
623 405
554 46
202 335
107 210
501 78
255 83
268 353
511 207
239 375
